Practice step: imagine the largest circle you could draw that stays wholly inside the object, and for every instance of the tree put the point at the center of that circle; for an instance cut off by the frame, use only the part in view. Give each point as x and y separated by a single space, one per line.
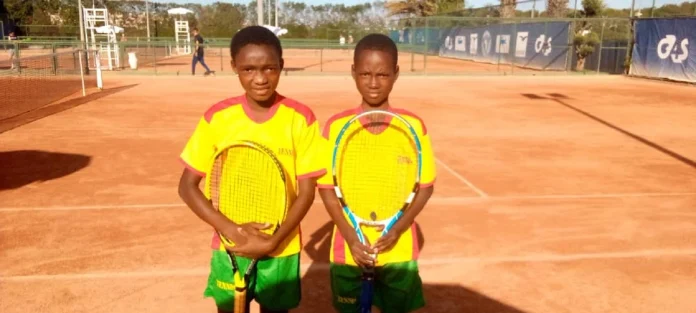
507 8
593 8
584 45
557 8
412 8
20 10
585 38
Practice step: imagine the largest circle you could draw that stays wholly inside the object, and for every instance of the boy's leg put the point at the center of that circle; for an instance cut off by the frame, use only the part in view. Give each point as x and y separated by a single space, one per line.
398 288
194 61
346 285
202 60
278 286
221 281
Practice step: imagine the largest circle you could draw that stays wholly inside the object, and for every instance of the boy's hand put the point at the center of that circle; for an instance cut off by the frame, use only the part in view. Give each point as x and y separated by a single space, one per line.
255 229
255 246
362 254
387 242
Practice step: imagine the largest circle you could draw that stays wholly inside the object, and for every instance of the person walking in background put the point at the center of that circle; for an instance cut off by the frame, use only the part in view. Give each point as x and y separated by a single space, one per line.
12 51
198 54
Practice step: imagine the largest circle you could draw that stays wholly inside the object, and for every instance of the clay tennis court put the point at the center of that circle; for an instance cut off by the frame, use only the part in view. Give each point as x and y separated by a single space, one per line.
554 194
312 61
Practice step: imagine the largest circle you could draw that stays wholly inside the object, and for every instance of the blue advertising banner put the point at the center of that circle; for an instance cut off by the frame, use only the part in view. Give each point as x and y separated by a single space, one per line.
542 45
665 48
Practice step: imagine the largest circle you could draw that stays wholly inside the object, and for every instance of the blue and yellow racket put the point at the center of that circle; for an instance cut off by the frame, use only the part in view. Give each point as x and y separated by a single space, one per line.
376 167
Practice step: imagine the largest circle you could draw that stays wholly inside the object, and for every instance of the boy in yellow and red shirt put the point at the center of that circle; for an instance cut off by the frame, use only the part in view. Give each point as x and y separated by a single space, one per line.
398 287
287 127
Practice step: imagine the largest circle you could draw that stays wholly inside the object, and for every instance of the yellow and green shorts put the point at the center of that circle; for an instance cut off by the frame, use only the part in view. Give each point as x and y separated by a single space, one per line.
274 283
397 287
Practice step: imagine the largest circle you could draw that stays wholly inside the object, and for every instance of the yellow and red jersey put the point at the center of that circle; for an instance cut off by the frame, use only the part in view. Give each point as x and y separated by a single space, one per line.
288 128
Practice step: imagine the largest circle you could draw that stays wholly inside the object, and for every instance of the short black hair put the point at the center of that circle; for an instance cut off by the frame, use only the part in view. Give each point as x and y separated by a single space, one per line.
376 42
254 35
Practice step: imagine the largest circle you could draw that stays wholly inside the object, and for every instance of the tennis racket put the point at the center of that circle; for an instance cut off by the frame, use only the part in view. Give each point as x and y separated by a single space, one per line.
376 167
246 183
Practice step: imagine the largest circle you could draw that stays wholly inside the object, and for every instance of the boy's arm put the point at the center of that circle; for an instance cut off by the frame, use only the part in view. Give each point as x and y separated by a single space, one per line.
388 241
361 253
423 194
203 208
297 211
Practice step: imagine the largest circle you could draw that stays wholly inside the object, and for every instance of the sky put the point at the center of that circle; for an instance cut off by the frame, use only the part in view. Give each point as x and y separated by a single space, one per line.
541 4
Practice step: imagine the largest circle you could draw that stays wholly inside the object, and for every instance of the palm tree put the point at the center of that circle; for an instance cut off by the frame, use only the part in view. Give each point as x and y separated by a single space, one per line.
557 8
507 8
412 8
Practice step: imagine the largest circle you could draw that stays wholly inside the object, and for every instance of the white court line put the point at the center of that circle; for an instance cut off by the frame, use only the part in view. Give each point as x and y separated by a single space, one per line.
539 258
462 179
434 200
599 196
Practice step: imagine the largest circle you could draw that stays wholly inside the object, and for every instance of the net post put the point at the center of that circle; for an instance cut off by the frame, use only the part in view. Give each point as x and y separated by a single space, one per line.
601 45
495 45
154 57
54 59
571 46
546 31
82 73
321 60
17 57
425 47
514 53
100 82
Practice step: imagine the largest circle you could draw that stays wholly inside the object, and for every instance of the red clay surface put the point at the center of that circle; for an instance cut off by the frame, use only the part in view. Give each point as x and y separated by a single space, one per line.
298 61
554 194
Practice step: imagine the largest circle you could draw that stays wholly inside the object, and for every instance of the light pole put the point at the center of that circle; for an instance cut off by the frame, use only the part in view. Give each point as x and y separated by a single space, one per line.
147 19
276 12
82 26
259 12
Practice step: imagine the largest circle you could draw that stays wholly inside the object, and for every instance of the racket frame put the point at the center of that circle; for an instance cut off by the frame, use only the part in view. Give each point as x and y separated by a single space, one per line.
240 281
357 222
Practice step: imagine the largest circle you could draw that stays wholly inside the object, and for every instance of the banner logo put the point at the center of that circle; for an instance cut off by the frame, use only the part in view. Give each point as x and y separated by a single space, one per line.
448 43
521 44
542 45
460 43
667 47
502 44
473 44
487 43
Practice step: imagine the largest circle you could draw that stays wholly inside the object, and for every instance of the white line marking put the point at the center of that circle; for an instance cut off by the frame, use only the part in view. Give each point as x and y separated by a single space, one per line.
94 207
462 179
434 200
540 258
599 196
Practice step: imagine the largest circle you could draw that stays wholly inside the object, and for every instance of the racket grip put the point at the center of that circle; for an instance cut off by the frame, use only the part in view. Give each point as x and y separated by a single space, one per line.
366 292
240 301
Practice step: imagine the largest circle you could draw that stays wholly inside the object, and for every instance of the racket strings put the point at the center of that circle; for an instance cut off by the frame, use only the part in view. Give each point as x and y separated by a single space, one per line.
378 168
248 187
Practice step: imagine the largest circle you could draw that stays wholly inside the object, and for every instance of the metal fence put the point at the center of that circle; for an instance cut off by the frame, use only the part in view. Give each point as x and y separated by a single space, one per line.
473 45
427 46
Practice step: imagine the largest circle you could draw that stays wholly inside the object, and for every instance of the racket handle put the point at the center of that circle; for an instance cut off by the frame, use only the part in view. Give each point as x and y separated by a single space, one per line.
240 301
367 291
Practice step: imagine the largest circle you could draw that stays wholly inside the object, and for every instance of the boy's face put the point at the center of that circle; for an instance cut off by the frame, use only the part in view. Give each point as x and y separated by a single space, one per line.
375 74
258 67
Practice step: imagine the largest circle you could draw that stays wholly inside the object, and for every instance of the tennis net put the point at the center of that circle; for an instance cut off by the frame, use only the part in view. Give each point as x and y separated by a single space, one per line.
29 83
